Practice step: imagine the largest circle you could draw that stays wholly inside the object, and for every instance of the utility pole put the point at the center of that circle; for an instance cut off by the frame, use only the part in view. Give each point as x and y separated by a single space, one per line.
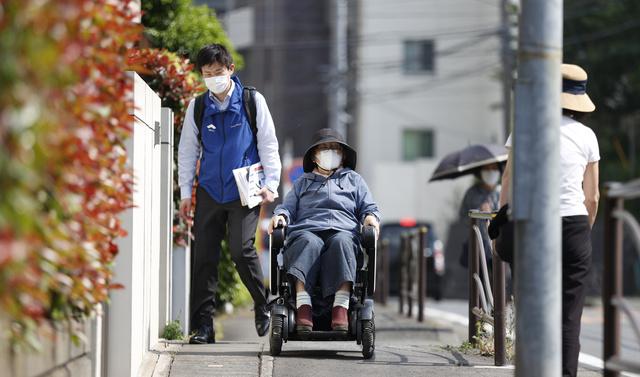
337 85
509 19
536 187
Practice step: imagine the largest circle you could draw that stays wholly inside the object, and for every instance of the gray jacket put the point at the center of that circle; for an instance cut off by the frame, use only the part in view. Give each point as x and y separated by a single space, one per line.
316 203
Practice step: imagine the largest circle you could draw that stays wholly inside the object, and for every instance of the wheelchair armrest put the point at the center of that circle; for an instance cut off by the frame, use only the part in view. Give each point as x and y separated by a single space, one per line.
277 237
368 237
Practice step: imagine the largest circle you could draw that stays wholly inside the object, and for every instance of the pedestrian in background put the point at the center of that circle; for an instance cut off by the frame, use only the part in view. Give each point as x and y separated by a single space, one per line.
579 195
484 195
225 141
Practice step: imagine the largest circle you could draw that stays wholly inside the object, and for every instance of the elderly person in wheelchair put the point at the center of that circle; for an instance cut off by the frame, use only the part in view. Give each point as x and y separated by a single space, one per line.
324 213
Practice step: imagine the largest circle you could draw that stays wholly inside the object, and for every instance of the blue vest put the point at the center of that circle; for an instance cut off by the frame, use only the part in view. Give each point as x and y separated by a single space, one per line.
228 143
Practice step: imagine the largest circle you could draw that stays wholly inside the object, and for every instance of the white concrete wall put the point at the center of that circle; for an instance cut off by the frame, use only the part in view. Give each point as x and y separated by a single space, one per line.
133 313
460 101
57 355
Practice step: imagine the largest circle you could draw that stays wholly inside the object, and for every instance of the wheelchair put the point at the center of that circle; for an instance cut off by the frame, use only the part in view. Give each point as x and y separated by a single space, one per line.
361 312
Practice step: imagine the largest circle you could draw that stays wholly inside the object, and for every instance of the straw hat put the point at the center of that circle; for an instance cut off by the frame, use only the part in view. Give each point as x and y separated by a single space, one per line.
574 89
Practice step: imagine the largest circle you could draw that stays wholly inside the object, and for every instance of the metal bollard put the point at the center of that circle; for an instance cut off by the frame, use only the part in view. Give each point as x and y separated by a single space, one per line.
499 331
410 274
385 272
403 241
612 282
422 272
382 273
473 289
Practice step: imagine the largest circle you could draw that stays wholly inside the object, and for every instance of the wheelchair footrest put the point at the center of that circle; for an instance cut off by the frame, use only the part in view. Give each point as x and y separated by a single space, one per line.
322 335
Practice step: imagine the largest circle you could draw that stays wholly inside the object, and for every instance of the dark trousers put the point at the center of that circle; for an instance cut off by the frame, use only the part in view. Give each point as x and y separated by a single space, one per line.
211 223
576 261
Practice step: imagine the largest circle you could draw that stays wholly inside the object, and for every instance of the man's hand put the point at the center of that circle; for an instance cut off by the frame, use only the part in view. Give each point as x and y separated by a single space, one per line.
185 210
267 195
371 220
275 220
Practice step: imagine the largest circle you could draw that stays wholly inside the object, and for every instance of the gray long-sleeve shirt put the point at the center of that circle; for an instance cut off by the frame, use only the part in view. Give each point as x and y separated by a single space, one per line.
317 203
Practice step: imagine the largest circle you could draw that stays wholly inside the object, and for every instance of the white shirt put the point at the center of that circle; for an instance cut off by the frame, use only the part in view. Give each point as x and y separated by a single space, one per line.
578 147
189 147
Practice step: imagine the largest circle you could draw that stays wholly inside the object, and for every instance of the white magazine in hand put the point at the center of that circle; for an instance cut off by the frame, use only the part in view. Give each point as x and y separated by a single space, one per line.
250 179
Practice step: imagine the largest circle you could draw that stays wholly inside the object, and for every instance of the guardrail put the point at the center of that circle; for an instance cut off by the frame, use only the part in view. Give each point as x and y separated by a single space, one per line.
482 303
413 271
613 302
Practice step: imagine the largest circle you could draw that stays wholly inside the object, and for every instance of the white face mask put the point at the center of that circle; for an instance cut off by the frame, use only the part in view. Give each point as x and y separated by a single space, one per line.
490 177
329 159
217 84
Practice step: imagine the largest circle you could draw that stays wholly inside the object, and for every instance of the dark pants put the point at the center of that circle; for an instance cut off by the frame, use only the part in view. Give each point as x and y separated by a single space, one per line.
212 220
576 261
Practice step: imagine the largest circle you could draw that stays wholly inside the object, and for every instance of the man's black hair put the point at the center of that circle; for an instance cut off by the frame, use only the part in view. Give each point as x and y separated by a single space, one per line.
213 53
577 115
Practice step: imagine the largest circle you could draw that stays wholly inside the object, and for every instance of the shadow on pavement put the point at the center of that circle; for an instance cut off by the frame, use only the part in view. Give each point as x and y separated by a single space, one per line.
321 355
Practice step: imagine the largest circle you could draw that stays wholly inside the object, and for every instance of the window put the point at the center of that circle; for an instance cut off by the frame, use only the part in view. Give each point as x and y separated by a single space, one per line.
417 144
419 56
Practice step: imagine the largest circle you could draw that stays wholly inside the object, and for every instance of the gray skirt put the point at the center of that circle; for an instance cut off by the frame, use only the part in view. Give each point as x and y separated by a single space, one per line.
325 259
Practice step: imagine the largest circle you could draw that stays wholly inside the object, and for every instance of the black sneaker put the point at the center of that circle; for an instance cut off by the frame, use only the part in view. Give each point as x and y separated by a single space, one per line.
204 335
262 318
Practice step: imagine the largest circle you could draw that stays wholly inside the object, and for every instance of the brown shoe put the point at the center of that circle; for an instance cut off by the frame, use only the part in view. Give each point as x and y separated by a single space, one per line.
304 319
339 319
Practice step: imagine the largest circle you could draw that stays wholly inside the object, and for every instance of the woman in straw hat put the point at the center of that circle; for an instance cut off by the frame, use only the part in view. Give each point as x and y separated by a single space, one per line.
579 156
323 212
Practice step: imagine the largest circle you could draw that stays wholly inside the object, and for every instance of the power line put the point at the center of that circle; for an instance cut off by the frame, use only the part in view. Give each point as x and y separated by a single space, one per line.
378 38
400 64
380 95
602 34
449 51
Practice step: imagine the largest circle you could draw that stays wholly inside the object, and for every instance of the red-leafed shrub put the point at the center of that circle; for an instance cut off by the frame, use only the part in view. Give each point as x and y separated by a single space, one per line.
64 117
173 79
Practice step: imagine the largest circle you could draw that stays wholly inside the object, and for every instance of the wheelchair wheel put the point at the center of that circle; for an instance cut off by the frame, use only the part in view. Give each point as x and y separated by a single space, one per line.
275 339
368 338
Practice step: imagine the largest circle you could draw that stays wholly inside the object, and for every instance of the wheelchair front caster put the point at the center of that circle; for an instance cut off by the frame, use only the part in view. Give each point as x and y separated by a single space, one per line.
368 338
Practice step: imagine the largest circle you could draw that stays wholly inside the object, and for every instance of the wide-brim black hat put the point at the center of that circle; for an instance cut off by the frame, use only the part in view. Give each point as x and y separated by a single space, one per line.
328 135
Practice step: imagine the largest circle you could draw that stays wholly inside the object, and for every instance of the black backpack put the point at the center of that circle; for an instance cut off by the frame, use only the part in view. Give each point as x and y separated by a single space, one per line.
249 102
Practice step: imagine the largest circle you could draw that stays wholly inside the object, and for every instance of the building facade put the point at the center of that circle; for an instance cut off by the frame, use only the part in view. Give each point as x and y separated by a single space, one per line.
428 83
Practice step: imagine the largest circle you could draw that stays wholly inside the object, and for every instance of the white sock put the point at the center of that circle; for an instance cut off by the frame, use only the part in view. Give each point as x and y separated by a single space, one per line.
342 299
302 298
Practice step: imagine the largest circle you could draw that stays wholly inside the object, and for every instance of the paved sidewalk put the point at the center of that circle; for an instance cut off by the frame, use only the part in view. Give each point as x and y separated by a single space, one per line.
404 347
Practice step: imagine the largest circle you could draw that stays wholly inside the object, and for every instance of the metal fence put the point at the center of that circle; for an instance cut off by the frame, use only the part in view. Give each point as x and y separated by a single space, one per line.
486 299
613 302
413 272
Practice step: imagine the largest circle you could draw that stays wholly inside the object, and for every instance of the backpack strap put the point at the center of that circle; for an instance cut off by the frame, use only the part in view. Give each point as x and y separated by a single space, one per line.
249 101
198 112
